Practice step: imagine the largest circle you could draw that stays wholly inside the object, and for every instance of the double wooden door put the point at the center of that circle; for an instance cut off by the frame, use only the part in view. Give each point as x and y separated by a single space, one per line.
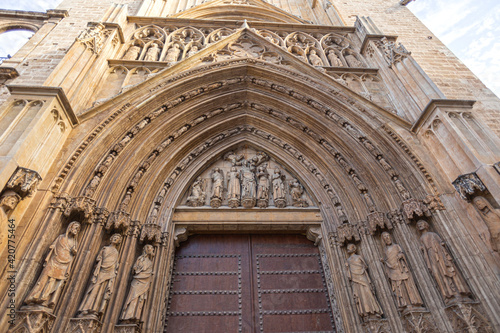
248 283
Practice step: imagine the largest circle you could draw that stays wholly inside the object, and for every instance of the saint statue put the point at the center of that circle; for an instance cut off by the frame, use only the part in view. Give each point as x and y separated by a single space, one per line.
192 51
233 187
362 288
102 281
440 264
132 53
352 61
297 190
315 59
334 59
8 202
491 217
279 194
56 268
248 185
152 53
197 197
396 267
173 53
139 287
262 187
217 188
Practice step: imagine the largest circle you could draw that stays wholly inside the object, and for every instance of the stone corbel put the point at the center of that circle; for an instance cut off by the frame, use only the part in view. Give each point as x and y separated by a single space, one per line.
434 203
466 318
101 215
469 185
8 73
378 219
118 220
84 206
93 37
60 201
419 322
24 182
376 326
314 235
84 325
414 209
127 328
151 233
347 233
181 234
33 321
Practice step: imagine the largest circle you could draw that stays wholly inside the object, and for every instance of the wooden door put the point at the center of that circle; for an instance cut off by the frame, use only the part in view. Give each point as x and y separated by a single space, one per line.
248 283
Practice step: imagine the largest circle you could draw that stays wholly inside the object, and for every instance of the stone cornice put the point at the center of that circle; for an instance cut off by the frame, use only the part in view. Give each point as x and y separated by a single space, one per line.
56 92
180 22
23 14
434 104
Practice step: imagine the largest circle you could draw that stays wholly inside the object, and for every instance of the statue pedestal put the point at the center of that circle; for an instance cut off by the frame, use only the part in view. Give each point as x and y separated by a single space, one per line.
84 325
418 320
128 328
33 319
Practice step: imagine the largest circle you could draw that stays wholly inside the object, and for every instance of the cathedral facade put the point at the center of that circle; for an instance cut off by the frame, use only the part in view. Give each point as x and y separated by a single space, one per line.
245 166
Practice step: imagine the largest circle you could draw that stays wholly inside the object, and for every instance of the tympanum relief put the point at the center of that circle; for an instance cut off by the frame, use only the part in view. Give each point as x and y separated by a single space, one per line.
246 178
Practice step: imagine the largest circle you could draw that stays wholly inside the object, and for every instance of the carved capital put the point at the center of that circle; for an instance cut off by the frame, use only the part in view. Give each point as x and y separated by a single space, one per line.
180 235
347 232
60 201
378 219
414 209
84 325
118 220
101 215
33 321
468 185
395 216
151 232
24 182
314 235
83 206
434 203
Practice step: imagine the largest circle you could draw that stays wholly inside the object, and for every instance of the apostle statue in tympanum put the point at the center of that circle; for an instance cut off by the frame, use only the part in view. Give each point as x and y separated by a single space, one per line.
279 194
403 286
56 269
262 187
102 281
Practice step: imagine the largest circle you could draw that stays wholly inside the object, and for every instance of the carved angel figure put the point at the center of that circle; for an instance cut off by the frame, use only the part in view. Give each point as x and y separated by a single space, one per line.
139 287
398 272
132 53
102 281
279 194
56 268
441 265
362 288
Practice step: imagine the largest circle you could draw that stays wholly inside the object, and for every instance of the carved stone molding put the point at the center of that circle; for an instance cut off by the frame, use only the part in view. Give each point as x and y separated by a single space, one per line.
314 235
347 232
419 322
127 328
151 233
83 205
378 219
24 182
468 185
414 209
33 321
118 220
467 318
376 326
180 235
84 325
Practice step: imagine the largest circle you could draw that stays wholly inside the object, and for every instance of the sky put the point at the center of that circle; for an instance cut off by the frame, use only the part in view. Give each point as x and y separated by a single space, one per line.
470 29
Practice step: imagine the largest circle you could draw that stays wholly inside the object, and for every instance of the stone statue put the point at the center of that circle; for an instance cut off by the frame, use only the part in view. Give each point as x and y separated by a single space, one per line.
279 194
362 288
8 202
173 53
352 61
197 197
491 217
233 187
102 281
440 264
152 53
217 188
248 185
56 268
132 53
314 59
334 59
192 51
396 267
262 187
139 287
297 190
